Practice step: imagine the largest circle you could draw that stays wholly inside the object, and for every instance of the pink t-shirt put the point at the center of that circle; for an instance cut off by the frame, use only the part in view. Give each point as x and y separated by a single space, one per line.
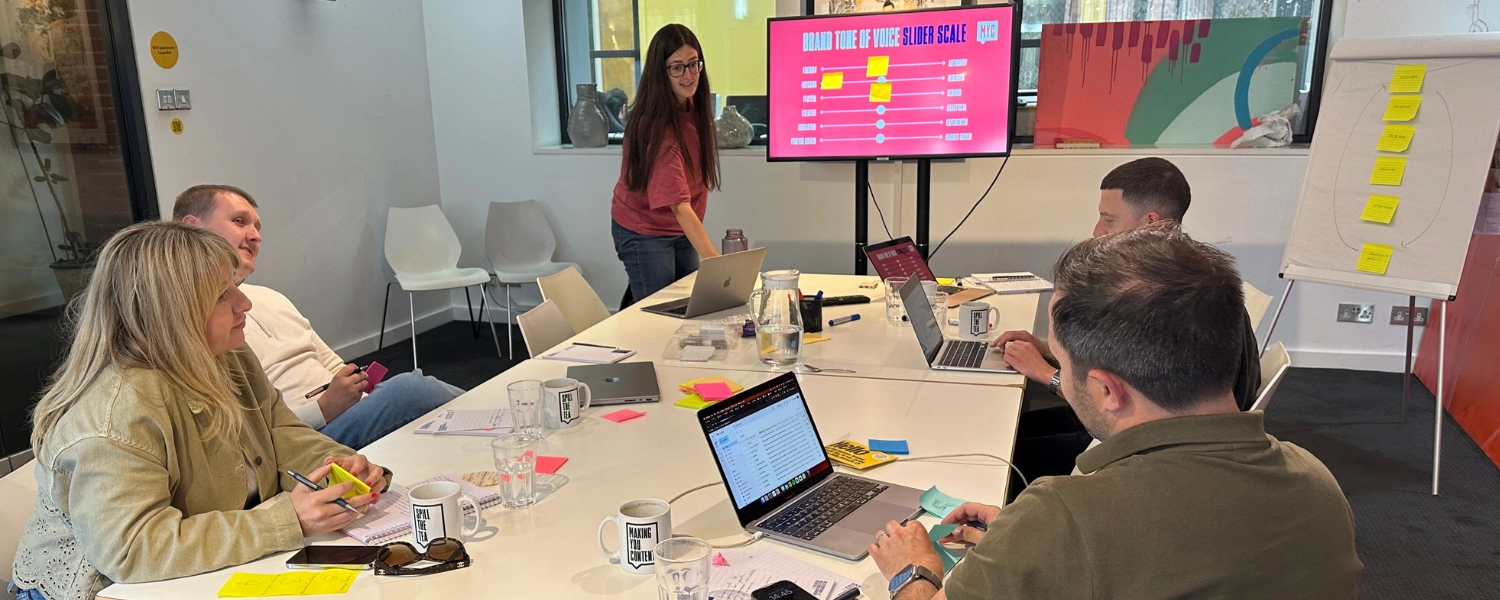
650 212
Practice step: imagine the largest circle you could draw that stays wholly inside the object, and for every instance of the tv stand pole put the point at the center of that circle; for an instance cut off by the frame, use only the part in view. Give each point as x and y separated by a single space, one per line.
861 215
924 204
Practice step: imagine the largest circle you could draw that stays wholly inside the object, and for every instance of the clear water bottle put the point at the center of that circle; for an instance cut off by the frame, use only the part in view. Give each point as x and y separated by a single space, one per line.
734 241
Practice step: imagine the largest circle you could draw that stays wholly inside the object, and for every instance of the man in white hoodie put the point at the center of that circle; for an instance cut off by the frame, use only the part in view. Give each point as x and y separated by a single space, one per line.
296 360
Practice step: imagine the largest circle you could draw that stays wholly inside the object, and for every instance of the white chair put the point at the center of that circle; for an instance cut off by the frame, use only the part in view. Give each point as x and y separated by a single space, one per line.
544 327
519 243
574 297
423 251
1256 304
18 496
1273 365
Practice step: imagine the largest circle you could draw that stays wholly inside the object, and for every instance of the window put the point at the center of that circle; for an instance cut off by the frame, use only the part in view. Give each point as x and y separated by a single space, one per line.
604 42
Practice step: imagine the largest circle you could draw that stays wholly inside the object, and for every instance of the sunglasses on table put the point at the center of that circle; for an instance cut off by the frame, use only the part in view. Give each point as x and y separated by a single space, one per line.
396 558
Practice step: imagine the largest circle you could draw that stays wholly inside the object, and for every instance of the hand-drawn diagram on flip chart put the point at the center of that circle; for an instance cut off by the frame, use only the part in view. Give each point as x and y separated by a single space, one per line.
1408 121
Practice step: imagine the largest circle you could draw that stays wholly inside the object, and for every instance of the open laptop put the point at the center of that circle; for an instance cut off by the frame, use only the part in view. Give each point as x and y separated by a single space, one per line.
941 353
618 383
781 482
723 282
900 258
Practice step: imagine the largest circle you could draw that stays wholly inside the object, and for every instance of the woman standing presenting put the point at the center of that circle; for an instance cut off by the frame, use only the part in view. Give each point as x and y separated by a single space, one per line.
670 163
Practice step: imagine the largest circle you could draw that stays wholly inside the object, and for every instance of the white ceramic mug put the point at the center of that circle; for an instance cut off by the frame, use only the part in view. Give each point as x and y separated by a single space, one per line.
565 400
436 512
642 524
974 320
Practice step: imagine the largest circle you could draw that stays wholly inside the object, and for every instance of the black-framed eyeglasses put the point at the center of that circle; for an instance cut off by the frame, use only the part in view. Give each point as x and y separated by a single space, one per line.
678 69
396 558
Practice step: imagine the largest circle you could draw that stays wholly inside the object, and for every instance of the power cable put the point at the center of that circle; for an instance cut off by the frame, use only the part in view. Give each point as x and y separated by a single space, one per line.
986 193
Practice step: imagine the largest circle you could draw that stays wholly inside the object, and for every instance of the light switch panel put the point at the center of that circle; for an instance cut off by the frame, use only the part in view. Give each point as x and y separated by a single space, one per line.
184 100
166 99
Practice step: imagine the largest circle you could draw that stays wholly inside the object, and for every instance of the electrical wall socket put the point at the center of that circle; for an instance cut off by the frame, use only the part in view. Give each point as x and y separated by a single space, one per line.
1398 316
1356 313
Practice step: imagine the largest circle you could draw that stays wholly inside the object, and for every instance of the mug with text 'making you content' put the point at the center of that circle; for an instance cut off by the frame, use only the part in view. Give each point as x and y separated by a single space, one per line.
642 524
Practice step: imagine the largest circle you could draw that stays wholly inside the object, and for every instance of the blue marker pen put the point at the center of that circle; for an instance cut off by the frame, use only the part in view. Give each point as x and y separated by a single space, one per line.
842 320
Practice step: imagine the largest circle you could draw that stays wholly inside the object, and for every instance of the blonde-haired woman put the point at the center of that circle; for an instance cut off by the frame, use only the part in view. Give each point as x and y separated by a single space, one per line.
161 448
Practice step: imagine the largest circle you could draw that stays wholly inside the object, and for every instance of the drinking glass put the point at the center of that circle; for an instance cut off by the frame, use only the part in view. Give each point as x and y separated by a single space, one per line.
682 565
893 309
515 462
525 407
939 302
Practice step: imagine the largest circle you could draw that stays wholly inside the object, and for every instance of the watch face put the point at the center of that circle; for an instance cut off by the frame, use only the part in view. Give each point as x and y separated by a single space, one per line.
901 578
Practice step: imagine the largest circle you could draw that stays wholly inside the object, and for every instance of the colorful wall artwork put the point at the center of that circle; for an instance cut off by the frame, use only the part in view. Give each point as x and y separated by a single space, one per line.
1160 83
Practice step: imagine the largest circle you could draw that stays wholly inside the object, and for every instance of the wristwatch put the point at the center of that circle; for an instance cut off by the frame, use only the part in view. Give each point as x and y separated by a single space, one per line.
1056 381
912 573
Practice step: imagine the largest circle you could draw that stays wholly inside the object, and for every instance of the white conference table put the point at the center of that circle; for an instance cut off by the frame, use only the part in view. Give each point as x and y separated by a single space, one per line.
871 346
550 549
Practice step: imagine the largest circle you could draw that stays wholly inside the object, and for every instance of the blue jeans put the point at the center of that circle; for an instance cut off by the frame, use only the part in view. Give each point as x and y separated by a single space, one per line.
25 594
653 262
395 402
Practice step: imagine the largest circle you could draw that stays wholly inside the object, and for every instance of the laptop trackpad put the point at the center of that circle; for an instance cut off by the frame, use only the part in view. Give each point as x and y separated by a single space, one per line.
872 517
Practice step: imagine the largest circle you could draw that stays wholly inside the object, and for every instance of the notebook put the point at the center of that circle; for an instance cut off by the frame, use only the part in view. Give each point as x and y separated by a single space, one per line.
390 518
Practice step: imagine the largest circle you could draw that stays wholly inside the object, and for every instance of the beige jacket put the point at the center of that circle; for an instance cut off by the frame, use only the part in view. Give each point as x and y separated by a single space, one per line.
129 491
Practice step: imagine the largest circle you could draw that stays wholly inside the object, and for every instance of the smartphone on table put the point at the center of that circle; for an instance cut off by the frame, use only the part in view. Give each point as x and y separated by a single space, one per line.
333 557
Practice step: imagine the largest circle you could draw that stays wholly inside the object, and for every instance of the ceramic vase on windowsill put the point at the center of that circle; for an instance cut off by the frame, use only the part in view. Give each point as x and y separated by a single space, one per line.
587 126
734 129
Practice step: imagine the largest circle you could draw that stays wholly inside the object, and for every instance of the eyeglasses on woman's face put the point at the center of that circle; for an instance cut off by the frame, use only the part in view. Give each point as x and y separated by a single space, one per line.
679 69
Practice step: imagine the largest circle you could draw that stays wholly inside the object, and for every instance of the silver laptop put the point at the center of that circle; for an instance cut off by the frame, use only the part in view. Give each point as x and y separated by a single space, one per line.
618 383
781 482
723 282
941 353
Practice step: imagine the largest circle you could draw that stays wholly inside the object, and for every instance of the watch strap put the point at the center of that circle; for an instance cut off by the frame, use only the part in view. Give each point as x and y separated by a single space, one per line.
1055 383
918 572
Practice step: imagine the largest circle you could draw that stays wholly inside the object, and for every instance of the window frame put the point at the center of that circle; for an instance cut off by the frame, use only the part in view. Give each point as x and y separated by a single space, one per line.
560 50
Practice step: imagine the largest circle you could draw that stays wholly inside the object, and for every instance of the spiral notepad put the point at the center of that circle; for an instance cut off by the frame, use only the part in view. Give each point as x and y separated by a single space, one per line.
390 518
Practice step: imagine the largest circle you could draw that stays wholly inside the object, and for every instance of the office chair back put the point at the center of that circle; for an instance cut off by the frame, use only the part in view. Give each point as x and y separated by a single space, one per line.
574 297
544 327
420 241
517 235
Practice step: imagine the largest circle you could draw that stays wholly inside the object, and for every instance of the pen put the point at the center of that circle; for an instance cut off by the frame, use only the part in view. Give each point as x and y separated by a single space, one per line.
849 595
316 488
842 320
324 387
595 345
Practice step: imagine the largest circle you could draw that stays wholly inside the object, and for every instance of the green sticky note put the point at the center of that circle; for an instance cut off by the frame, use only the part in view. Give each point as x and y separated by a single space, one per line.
938 503
693 402
950 557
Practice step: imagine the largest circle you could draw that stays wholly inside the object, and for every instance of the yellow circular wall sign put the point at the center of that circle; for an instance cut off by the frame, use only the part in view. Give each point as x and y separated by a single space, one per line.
177 126
164 49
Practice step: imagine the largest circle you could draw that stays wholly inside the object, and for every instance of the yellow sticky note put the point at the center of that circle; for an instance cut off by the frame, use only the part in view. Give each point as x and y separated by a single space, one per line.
1395 138
833 80
1380 209
1388 170
338 475
290 584
1402 108
693 402
880 92
813 338
1375 258
1408 79
246 585
877 66
331 581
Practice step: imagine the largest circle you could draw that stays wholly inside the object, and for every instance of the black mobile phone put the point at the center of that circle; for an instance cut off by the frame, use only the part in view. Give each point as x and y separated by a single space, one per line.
341 557
782 590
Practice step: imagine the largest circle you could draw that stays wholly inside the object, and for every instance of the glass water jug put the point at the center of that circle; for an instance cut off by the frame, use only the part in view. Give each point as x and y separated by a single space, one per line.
778 318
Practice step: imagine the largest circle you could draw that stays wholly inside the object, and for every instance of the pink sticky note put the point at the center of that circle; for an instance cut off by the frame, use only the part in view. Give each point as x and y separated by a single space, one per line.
621 416
375 372
548 465
719 560
714 391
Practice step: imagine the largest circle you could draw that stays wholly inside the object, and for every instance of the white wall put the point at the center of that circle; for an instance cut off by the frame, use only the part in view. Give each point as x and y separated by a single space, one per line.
322 111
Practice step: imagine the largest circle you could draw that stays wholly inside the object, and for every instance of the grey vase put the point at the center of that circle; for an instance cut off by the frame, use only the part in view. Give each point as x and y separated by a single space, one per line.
734 130
587 126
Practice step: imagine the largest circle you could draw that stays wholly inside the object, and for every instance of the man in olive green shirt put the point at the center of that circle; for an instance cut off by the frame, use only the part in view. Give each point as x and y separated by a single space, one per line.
1187 497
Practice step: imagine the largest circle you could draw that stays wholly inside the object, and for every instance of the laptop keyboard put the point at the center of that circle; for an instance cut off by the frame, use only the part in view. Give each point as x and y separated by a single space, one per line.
968 355
815 513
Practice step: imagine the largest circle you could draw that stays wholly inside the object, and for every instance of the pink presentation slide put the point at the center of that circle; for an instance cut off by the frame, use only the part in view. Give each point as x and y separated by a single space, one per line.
922 83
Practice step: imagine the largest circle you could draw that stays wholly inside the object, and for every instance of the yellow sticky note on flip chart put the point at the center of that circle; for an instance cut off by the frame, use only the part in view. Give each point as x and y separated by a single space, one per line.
1388 170
1375 258
880 92
877 66
1402 108
1380 209
1395 138
833 80
1408 79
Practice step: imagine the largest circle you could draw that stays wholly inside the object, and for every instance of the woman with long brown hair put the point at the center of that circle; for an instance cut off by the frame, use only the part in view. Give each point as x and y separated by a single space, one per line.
670 163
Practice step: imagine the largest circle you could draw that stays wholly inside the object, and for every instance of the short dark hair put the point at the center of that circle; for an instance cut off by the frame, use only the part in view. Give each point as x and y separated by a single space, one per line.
201 200
1162 311
1151 184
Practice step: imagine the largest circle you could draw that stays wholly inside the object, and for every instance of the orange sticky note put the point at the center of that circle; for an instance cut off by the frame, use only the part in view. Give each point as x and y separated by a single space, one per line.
1375 258
880 92
833 80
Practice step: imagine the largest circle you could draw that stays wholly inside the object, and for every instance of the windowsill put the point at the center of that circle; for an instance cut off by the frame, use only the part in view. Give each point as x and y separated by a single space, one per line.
1020 150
